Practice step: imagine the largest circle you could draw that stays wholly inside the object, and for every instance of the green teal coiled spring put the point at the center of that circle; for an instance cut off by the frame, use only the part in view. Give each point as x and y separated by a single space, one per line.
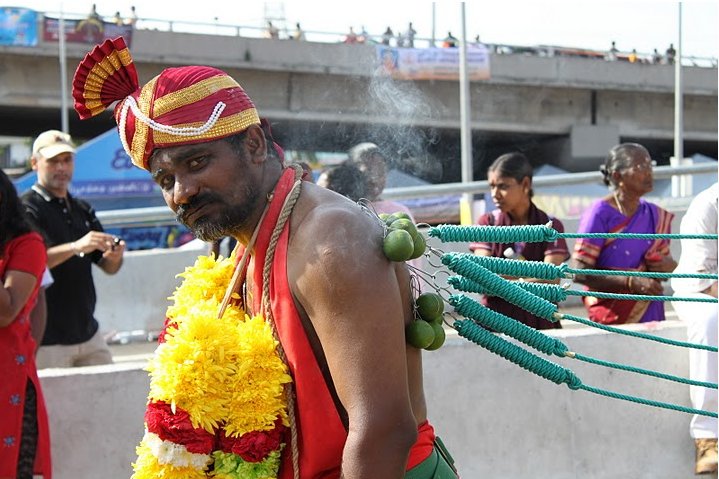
462 264
520 269
494 234
469 308
531 362
536 234
550 292
460 283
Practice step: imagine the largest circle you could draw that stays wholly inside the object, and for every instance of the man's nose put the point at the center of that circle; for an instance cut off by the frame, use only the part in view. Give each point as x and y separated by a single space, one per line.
183 191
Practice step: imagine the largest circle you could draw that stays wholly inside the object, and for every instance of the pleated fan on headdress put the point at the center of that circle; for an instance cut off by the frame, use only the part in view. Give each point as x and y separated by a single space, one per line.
106 74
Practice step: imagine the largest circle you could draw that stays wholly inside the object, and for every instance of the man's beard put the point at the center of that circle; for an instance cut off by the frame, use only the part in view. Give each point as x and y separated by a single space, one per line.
229 221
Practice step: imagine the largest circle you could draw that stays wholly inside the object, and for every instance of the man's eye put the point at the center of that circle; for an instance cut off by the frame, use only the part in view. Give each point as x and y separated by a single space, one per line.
196 162
166 182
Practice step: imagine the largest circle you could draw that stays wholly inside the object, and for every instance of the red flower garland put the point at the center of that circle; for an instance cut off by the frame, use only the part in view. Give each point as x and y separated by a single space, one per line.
253 446
176 427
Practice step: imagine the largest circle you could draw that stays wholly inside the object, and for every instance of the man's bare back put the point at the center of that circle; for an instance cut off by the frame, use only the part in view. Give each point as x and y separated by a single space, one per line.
344 287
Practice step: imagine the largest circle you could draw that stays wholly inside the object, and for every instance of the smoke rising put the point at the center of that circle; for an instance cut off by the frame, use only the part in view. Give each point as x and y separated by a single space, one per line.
402 106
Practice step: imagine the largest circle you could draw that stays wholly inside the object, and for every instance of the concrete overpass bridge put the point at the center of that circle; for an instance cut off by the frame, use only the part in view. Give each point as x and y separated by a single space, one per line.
324 97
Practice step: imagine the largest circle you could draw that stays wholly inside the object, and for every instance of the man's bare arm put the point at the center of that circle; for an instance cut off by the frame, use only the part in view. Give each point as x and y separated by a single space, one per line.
349 291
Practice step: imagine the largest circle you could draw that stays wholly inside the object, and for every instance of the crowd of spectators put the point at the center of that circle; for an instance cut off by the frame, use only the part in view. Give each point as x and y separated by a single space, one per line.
406 38
117 19
656 58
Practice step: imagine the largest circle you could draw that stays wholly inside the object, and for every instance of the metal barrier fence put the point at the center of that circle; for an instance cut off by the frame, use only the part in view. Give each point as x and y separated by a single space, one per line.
285 32
161 215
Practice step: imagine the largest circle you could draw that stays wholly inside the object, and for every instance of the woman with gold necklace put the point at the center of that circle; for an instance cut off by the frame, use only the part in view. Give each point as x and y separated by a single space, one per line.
628 173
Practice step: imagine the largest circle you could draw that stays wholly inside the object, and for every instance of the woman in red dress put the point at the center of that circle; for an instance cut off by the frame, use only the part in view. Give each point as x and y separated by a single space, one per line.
24 435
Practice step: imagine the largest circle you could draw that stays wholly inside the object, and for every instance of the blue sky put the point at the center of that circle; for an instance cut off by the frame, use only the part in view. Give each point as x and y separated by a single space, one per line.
640 24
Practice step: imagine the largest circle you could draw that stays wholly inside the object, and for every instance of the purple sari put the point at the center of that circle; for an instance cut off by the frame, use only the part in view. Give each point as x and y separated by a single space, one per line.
622 254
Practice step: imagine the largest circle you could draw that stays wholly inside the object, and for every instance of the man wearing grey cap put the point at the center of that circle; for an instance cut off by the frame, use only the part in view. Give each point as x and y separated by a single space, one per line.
75 239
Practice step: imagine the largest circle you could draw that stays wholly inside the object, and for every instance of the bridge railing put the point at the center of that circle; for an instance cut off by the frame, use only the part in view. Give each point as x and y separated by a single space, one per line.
161 215
286 32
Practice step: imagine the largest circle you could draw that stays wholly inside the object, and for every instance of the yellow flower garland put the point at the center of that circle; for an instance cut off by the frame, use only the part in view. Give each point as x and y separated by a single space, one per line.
225 373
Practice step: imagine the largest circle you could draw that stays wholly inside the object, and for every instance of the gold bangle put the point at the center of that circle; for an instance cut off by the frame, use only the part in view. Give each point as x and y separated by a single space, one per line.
629 283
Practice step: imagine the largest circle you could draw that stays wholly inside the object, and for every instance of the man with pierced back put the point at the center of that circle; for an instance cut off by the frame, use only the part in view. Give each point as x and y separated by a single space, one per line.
314 265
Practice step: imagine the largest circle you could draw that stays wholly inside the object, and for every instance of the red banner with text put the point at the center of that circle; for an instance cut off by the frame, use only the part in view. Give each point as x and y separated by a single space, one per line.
88 30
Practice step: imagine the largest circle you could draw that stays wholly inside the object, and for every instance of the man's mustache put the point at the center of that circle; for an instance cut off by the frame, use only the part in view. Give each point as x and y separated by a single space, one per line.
195 203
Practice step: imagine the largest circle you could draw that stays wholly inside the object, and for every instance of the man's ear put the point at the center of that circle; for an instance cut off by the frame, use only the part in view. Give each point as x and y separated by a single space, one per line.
526 183
33 162
256 144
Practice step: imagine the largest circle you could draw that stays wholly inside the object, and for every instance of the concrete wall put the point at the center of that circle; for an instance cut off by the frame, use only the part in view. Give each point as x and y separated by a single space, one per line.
498 420
95 418
503 422
136 297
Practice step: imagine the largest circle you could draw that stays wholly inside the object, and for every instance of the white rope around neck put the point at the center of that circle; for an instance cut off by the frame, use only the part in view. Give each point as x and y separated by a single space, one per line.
130 103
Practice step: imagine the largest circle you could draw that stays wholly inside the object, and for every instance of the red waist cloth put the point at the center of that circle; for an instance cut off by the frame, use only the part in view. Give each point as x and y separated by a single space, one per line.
423 447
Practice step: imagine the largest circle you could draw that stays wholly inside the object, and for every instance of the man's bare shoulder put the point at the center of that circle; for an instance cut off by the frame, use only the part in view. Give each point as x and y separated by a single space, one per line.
335 259
327 215
329 226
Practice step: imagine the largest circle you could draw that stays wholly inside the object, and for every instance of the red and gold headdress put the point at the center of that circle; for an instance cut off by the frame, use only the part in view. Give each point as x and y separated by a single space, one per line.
180 106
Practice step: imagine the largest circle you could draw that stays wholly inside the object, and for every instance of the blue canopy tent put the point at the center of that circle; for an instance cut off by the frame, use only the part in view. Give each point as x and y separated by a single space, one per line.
433 209
106 178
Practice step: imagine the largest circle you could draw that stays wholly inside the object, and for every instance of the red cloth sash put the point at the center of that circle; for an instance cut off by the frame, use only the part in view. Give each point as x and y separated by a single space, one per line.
321 434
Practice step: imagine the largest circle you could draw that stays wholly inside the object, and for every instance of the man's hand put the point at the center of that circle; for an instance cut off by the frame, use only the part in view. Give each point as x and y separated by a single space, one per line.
112 257
116 250
94 240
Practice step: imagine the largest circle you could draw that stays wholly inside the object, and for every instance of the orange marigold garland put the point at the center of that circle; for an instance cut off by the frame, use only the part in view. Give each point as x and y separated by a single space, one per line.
203 419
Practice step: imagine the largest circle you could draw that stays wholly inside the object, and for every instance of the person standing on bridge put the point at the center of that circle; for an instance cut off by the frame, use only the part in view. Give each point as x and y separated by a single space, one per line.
75 240
313 273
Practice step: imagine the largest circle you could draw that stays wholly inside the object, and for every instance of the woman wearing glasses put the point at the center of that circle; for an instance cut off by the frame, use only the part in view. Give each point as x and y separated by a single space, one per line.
628 174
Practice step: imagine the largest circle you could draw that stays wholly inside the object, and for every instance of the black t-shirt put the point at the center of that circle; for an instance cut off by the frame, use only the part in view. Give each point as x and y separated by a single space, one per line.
71 298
